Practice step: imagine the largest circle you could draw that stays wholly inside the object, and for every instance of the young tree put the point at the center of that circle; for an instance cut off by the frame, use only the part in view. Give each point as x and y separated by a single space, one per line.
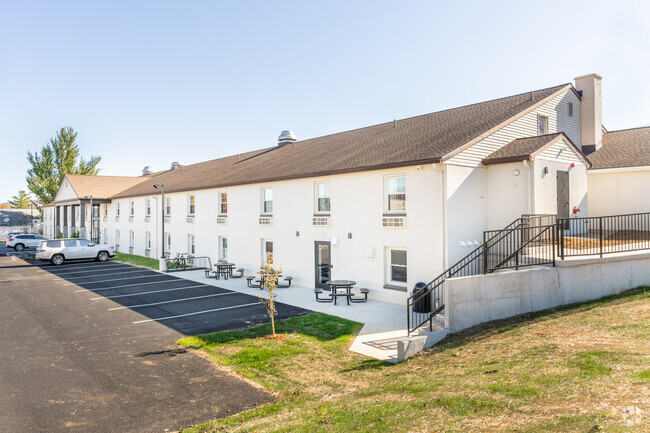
57 158
20 201
269 275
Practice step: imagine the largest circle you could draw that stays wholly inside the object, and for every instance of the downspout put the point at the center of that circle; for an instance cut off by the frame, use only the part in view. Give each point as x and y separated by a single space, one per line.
531 193
440 168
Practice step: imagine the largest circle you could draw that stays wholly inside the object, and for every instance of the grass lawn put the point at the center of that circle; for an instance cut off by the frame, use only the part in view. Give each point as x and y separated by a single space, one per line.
580 368
146 262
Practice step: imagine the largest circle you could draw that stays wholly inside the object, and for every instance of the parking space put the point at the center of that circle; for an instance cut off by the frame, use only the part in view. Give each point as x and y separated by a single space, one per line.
91 347
183 305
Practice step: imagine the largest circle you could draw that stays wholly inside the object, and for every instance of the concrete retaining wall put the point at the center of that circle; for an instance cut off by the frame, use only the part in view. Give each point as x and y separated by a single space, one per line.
482 298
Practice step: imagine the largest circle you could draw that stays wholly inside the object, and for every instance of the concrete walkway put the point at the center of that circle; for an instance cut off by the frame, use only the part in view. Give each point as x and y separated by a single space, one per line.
384 323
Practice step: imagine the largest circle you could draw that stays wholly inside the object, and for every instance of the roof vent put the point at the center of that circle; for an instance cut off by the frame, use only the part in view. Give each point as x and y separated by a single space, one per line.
176 165
147 170
287 137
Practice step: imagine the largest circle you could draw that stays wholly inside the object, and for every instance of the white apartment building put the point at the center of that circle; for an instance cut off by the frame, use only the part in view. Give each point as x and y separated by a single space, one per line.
387 206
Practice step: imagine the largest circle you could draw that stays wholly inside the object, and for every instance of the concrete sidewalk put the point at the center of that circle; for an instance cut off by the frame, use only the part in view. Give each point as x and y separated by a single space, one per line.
384 323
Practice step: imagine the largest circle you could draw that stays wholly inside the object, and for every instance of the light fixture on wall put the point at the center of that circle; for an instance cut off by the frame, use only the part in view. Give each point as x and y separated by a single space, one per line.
516 172
297 233
349 235
545 171
335 240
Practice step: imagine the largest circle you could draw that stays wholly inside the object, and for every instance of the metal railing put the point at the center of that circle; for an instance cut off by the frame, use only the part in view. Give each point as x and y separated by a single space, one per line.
520 247
527 241
603 235
187 263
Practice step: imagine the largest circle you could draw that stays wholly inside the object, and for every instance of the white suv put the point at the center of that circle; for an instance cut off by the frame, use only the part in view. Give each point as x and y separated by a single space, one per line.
24 240
58 251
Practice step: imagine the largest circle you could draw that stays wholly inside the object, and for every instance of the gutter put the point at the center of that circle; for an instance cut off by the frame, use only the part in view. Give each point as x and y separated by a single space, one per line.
619 169
441 168
531 193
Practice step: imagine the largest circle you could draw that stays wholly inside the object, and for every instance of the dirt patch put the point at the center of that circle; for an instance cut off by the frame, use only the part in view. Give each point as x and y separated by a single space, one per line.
620 237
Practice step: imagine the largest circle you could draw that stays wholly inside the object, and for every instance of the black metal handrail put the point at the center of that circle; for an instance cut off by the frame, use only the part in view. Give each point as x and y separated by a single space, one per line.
516 242
603 235
423 306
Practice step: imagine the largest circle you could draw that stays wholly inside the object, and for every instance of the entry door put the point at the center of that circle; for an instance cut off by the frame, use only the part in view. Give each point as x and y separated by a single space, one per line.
563 196
323 263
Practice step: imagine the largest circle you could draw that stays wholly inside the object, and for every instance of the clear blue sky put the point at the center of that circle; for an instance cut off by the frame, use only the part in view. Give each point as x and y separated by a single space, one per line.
150 82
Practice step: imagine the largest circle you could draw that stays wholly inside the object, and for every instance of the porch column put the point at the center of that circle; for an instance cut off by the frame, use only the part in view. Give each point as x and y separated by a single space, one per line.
83 233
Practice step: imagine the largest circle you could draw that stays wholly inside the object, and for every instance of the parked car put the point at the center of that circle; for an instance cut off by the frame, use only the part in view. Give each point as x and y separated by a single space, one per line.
58 251
21 241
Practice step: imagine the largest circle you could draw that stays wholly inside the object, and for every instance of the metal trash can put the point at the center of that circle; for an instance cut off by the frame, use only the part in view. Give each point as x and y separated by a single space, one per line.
423 303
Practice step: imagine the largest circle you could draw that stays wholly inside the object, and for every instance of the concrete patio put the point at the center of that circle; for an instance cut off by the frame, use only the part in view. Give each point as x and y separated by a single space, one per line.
384 323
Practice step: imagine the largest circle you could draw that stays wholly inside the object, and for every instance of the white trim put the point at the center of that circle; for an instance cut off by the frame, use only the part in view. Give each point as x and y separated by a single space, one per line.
197 312
619 169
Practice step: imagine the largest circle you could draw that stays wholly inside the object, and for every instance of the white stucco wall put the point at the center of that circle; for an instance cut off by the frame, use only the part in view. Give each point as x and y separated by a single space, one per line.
467 204
546 186
508 194
357 202
619 192
474 300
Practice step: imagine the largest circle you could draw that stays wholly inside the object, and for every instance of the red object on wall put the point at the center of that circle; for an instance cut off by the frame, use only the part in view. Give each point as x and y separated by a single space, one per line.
575 210
573 164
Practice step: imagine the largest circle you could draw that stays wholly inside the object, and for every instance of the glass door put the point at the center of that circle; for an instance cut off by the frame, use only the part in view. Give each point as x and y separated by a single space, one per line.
323 264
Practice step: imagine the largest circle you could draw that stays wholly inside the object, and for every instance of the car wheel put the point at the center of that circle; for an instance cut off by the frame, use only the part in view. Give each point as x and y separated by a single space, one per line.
19 247
102 256
57 259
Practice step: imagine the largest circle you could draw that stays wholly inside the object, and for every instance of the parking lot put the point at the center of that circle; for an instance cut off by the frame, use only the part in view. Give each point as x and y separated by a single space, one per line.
91 347
185 306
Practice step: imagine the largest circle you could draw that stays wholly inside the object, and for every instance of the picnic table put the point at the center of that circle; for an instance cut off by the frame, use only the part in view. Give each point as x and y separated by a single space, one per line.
342 288
223 269
257 283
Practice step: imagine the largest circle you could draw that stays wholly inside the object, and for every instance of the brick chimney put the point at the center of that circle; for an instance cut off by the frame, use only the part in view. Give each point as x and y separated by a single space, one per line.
591 114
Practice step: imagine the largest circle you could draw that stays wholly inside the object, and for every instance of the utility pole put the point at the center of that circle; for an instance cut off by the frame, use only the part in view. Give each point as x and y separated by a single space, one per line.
162 199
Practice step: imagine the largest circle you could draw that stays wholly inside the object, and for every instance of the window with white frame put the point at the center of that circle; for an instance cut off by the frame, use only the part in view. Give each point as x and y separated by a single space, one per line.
147 241
117 209
117 237
395 200
106 210
168 243
542 125
191 205
191 248
267 201
223 203
132 208
267 247
168 206
223 248
570 109
147 207
131 238
322 197
397 265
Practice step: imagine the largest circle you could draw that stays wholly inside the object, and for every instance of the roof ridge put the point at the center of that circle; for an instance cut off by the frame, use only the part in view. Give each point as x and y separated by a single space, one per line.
629 129
434 112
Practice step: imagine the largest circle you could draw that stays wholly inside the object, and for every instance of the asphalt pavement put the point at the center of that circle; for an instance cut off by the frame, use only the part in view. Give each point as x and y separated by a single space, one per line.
91 347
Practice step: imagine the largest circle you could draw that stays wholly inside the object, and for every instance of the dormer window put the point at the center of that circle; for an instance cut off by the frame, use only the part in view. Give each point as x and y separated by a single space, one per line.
542 125
570 109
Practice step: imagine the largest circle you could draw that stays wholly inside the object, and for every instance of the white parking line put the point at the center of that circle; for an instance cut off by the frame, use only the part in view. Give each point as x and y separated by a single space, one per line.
197 312
129 285
113 268
147 293
173 300
98 275
114 279
91 265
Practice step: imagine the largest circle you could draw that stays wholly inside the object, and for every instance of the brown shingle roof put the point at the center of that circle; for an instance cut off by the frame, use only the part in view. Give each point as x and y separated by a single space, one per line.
528 148
428 138
100 187
625 148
